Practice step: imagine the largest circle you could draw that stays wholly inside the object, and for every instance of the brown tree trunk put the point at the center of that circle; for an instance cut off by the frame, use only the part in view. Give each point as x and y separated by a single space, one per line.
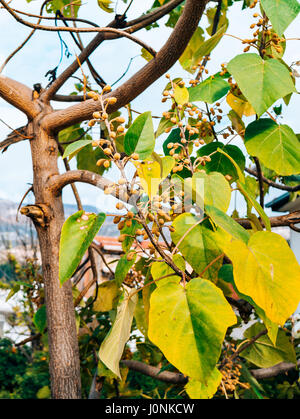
63 344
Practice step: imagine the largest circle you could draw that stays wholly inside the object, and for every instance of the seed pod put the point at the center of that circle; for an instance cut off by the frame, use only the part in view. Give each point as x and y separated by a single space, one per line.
117 219
119 205
135 156
151 217
121 225
107 151
100 162
122 237
106 89
106 164
112 100
117 156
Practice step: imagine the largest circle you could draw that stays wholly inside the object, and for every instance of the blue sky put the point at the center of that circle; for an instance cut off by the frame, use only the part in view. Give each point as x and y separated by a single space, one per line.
111 59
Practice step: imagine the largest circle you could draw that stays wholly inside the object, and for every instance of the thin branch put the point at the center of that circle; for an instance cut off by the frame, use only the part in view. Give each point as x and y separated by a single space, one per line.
260 182
154 372
274 184
14 137
57 182
137 24
115 31
26 39
280 221
248 343
270 372
165 59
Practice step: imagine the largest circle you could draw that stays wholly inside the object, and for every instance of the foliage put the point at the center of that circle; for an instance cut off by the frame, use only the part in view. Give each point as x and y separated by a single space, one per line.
173 298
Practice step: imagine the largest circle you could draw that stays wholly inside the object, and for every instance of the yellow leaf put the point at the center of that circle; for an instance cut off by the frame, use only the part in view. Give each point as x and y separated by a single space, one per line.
197 390
266 269
149 173
240 106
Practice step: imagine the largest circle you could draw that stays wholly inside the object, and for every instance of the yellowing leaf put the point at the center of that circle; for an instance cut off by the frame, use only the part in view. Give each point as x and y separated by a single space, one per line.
181 95
105 5
113 345
108 293
149 172
146 54
160 269
197 390
240 106
266 269
213 189
189 324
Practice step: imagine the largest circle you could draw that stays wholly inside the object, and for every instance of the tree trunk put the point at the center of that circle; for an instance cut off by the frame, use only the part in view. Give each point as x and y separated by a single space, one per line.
63 343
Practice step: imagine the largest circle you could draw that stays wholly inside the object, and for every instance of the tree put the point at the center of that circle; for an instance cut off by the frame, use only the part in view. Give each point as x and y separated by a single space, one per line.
198 264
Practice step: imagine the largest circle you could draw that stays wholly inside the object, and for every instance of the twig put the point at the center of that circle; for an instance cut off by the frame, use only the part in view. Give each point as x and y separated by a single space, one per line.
260 181
274 184
154 372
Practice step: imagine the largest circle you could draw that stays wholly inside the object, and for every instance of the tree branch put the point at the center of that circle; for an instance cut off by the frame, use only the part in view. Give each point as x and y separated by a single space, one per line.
270 372
57 182
115 31
165 59
154 372
136 25
18 95
280 221
274 184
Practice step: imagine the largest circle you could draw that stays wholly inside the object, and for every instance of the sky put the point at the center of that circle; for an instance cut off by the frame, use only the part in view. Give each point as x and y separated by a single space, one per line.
111 59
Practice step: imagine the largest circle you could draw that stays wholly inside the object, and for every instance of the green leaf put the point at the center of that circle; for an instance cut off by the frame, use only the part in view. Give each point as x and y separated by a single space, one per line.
198 247
219 162
281 13
164 123
129 232
123 268
195 320
77 234
227 223
275 145
263 353
189 57
241 184
197 390
44 393
74 148
259 80
160 269
40 319
87 158
210 90
108 294
211 189
140 137
113 345
266 269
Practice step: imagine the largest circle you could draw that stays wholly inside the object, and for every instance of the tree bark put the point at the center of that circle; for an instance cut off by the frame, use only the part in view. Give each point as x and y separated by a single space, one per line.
63 344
